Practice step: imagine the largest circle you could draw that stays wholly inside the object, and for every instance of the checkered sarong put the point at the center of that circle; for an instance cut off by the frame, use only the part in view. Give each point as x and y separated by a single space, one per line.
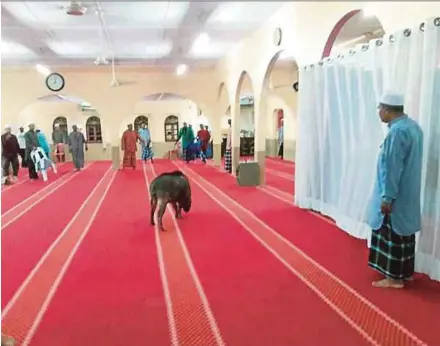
147 152
392 254
228 160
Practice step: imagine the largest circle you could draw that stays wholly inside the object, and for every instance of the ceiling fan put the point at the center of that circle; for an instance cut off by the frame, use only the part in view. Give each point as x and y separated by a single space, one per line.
114 82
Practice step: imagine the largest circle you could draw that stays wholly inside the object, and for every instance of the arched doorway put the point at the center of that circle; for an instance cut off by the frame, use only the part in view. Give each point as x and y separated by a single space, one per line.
164 114
66 111
245 121
61 123
280 93
224 112
139 121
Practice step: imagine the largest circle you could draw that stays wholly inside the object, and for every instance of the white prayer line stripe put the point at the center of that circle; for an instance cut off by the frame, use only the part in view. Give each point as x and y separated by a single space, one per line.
212 321
310 259
44 189
24 211
163 275
66 265
21 181
35 270
283 175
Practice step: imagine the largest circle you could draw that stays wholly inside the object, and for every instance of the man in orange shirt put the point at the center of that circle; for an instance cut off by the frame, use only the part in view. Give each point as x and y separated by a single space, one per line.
128 145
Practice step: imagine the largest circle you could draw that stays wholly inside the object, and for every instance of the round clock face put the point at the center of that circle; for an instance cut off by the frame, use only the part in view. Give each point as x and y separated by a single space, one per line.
55 82
277 36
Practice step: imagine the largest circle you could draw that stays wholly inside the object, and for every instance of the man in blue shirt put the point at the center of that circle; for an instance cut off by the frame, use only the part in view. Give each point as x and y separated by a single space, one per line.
147 150
395 207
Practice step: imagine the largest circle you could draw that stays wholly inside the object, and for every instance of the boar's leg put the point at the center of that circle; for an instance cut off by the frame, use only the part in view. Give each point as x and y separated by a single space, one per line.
176 208
153 205
162 204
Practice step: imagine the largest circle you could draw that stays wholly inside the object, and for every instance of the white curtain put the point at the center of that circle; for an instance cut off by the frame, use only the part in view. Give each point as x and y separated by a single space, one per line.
340 131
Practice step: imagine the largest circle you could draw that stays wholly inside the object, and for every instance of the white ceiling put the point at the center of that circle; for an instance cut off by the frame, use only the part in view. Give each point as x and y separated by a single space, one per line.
139 33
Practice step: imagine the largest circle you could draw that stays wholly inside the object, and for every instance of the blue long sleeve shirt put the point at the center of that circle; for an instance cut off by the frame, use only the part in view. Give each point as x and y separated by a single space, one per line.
43 142
145 134
398 178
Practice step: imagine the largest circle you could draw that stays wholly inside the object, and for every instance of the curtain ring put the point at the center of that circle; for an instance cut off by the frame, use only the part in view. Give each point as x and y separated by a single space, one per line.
407 32
422 26
392 38
379 42
365 47
312 66
320 63
352 52
437 21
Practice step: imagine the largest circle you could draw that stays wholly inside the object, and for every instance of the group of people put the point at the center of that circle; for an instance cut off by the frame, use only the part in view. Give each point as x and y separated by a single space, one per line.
192 145
129 141
34 149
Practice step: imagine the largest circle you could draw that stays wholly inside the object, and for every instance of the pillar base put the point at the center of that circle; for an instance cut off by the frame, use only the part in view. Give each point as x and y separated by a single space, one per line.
260 157
116 160
217 151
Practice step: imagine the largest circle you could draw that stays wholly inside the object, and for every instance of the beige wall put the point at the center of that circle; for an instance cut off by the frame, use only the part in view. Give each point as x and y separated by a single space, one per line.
213 90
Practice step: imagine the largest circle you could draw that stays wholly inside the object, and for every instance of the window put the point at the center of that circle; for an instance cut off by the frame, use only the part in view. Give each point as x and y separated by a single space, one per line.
171 128
62 122
93 130
141 119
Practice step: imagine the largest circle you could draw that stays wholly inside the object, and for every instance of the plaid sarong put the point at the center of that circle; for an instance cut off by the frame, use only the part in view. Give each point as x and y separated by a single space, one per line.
147 152
392 254
228 160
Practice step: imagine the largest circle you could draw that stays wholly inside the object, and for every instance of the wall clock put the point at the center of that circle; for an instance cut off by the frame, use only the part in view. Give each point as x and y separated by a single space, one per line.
55 82
277 37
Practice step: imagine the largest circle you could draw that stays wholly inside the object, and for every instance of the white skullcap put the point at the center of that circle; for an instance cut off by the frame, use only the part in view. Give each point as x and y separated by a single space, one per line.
8 127
57 125
392 99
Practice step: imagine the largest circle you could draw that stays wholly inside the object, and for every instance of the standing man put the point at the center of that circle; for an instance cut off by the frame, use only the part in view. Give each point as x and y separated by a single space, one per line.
228 151
10 150
31 144
42 140
147 150
186 133
395 207
77 143
204 137
59 139
128 145
281 139
22 144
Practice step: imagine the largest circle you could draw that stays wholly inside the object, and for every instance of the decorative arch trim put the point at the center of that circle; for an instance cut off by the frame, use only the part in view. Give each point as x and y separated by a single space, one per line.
334 33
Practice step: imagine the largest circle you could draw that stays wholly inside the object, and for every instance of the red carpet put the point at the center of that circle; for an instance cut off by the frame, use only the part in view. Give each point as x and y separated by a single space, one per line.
237 273
220 276
280 165
13 195
27 239
112 293
345 256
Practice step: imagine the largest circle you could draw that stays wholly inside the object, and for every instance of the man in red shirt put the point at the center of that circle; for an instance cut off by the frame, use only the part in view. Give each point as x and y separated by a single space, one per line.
204 137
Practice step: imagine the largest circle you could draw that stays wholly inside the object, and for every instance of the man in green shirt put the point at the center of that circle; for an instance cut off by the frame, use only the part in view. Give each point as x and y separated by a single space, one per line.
186 133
